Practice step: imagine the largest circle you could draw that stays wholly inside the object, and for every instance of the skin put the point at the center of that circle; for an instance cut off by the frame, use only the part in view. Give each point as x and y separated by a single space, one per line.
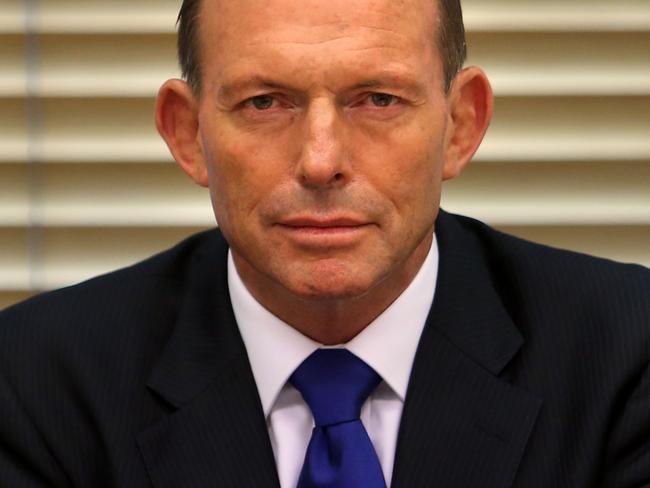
324 133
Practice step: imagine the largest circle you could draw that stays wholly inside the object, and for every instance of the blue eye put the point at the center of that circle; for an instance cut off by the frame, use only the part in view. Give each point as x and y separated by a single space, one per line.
262 102
382 99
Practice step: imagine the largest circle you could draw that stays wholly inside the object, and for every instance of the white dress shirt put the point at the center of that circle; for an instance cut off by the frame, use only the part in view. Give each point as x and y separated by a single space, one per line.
388 345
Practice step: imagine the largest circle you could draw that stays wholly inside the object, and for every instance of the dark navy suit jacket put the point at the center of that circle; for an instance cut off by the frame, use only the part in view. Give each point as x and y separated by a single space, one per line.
532 371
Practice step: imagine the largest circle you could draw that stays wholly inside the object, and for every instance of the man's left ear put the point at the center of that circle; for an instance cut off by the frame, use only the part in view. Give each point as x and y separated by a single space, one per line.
470 113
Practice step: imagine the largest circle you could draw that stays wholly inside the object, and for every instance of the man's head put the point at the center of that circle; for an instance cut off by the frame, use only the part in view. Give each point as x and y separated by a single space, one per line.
449 39
324 132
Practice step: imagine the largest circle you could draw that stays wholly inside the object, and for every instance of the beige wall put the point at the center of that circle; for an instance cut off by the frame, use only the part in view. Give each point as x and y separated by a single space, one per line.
86 185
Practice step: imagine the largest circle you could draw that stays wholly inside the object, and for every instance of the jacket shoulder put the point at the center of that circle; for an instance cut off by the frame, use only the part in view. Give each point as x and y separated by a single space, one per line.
555 264
558 286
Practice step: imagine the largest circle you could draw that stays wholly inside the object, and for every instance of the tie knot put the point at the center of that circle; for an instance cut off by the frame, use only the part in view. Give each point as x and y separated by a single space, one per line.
334 383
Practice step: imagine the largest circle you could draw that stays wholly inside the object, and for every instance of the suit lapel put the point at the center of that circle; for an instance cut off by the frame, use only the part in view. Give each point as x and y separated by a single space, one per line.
215 433
462 425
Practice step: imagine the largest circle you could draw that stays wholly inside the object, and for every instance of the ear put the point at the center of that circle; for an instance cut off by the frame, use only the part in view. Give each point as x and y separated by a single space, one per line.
177 119
471 104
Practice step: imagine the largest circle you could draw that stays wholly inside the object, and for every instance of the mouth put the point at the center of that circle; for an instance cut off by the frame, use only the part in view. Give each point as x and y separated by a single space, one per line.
330 232
322 223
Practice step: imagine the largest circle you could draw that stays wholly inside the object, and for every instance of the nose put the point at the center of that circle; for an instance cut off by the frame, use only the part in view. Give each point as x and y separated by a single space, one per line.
322 161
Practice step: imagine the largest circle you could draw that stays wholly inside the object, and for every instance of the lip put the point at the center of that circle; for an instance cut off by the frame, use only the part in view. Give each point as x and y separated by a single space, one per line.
322 223
324 232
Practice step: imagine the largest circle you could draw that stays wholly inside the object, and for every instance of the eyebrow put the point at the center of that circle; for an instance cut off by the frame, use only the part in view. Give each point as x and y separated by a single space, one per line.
228 90
381 82
407 84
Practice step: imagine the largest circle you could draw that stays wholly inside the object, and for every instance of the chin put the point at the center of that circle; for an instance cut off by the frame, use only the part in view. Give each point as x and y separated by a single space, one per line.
332 288
331 279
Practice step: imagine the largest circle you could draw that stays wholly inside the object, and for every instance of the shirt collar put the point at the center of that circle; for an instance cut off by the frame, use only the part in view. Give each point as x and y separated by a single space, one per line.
388 344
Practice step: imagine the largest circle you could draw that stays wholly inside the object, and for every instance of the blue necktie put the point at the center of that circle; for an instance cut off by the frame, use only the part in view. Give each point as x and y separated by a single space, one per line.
335 384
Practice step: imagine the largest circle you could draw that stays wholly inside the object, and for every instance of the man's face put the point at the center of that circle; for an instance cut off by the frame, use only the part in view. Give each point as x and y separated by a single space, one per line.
323 126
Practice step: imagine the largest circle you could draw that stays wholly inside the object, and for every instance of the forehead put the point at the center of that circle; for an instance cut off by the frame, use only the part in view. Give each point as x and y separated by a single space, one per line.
269 31
398 13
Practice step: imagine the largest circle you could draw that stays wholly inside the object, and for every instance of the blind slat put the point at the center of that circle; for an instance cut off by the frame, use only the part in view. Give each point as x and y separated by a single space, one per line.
483 15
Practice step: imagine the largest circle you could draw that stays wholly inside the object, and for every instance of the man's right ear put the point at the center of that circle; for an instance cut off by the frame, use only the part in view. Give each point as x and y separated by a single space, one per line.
177 119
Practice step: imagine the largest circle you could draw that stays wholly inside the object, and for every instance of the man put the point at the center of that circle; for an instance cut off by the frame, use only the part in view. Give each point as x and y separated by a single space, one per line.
324 131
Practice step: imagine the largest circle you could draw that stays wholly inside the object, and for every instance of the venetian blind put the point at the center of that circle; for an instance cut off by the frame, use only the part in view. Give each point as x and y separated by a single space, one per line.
86 185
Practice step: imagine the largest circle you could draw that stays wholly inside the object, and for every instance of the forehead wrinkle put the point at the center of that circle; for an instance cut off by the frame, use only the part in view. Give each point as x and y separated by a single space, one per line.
296 42
394 50
301 35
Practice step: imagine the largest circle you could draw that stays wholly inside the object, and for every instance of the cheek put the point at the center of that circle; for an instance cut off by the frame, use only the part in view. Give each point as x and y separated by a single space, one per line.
408 167
240 173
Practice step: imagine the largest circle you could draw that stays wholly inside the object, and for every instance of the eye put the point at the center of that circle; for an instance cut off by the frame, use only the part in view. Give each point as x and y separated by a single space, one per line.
262 102
382 99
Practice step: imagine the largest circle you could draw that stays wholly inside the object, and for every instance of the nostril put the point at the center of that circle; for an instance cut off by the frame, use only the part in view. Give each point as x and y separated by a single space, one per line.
338 177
